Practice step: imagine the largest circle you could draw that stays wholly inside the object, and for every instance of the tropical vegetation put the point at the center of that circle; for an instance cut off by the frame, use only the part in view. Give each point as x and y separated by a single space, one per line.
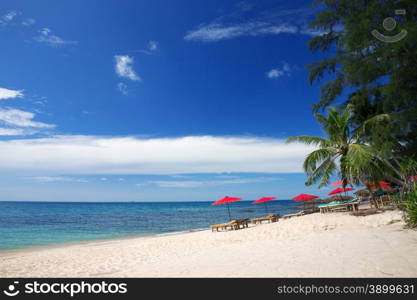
369 91
344 151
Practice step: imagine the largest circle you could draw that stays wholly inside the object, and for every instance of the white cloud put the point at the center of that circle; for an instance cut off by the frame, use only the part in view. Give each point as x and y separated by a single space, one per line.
153 45
20 118
7 94
122 87
316 32
29 22
218 31
201 183
8 17
239 23
313 32
15 131
46 37
274 73
131 155
45 179
278 72
124 67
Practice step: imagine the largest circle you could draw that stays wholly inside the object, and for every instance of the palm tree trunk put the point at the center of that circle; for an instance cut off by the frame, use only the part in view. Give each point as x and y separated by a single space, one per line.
386 161
395 180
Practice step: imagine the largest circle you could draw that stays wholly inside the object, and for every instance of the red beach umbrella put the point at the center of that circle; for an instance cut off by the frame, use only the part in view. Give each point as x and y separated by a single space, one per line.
340 190
412 178
336 183
381 184
339 182
227 200
304 197
264 200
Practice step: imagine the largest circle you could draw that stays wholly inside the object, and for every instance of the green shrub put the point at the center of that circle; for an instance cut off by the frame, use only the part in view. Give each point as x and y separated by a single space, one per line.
410 202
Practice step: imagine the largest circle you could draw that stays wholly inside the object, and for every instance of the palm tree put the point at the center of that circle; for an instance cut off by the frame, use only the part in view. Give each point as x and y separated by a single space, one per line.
343 152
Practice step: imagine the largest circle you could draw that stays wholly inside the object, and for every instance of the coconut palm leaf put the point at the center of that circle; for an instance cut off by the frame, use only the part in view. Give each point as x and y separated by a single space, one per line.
309 140
343 151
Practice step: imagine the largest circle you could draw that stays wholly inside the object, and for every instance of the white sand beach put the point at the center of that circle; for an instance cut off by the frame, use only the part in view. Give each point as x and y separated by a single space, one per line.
315 245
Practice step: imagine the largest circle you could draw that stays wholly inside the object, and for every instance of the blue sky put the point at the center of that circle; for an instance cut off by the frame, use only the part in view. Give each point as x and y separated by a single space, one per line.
154 100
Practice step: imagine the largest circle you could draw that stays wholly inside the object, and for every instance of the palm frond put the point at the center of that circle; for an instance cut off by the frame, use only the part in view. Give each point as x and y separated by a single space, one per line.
316 157
323 172
371 123
309 140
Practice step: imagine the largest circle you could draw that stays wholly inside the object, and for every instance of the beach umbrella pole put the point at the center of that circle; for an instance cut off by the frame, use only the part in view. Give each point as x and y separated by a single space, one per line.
228 209
266 208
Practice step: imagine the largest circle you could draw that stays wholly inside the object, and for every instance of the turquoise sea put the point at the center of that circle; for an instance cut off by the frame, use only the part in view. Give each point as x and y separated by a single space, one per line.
26 224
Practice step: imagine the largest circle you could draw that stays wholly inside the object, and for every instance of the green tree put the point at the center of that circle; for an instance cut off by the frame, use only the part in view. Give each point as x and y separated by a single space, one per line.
344 152
373 76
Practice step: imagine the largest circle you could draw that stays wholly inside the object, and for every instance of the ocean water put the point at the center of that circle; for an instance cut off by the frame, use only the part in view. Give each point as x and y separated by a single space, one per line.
26 224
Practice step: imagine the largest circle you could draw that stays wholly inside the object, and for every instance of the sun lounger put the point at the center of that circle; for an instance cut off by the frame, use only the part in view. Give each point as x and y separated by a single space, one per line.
339 206
242 223
311 210
232 225
385 200
293 215
269 218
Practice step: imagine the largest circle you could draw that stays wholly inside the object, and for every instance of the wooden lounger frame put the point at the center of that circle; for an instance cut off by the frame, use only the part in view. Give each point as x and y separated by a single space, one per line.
269 218
232 225
301 213
351 206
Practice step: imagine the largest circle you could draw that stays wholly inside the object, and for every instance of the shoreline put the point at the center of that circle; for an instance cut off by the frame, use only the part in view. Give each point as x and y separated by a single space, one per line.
96 241
314 245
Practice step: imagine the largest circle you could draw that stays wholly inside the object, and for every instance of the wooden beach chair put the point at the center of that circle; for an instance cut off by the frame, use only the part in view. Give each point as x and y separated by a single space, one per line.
232 225
301 213
269 218
242 223
351 205
373 202
385 200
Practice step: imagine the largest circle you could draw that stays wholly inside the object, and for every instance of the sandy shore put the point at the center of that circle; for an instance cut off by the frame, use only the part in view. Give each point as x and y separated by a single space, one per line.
316 245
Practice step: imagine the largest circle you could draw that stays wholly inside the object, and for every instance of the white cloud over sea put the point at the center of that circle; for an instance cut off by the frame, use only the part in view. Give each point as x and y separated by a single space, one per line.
203 183
68 154
20 118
